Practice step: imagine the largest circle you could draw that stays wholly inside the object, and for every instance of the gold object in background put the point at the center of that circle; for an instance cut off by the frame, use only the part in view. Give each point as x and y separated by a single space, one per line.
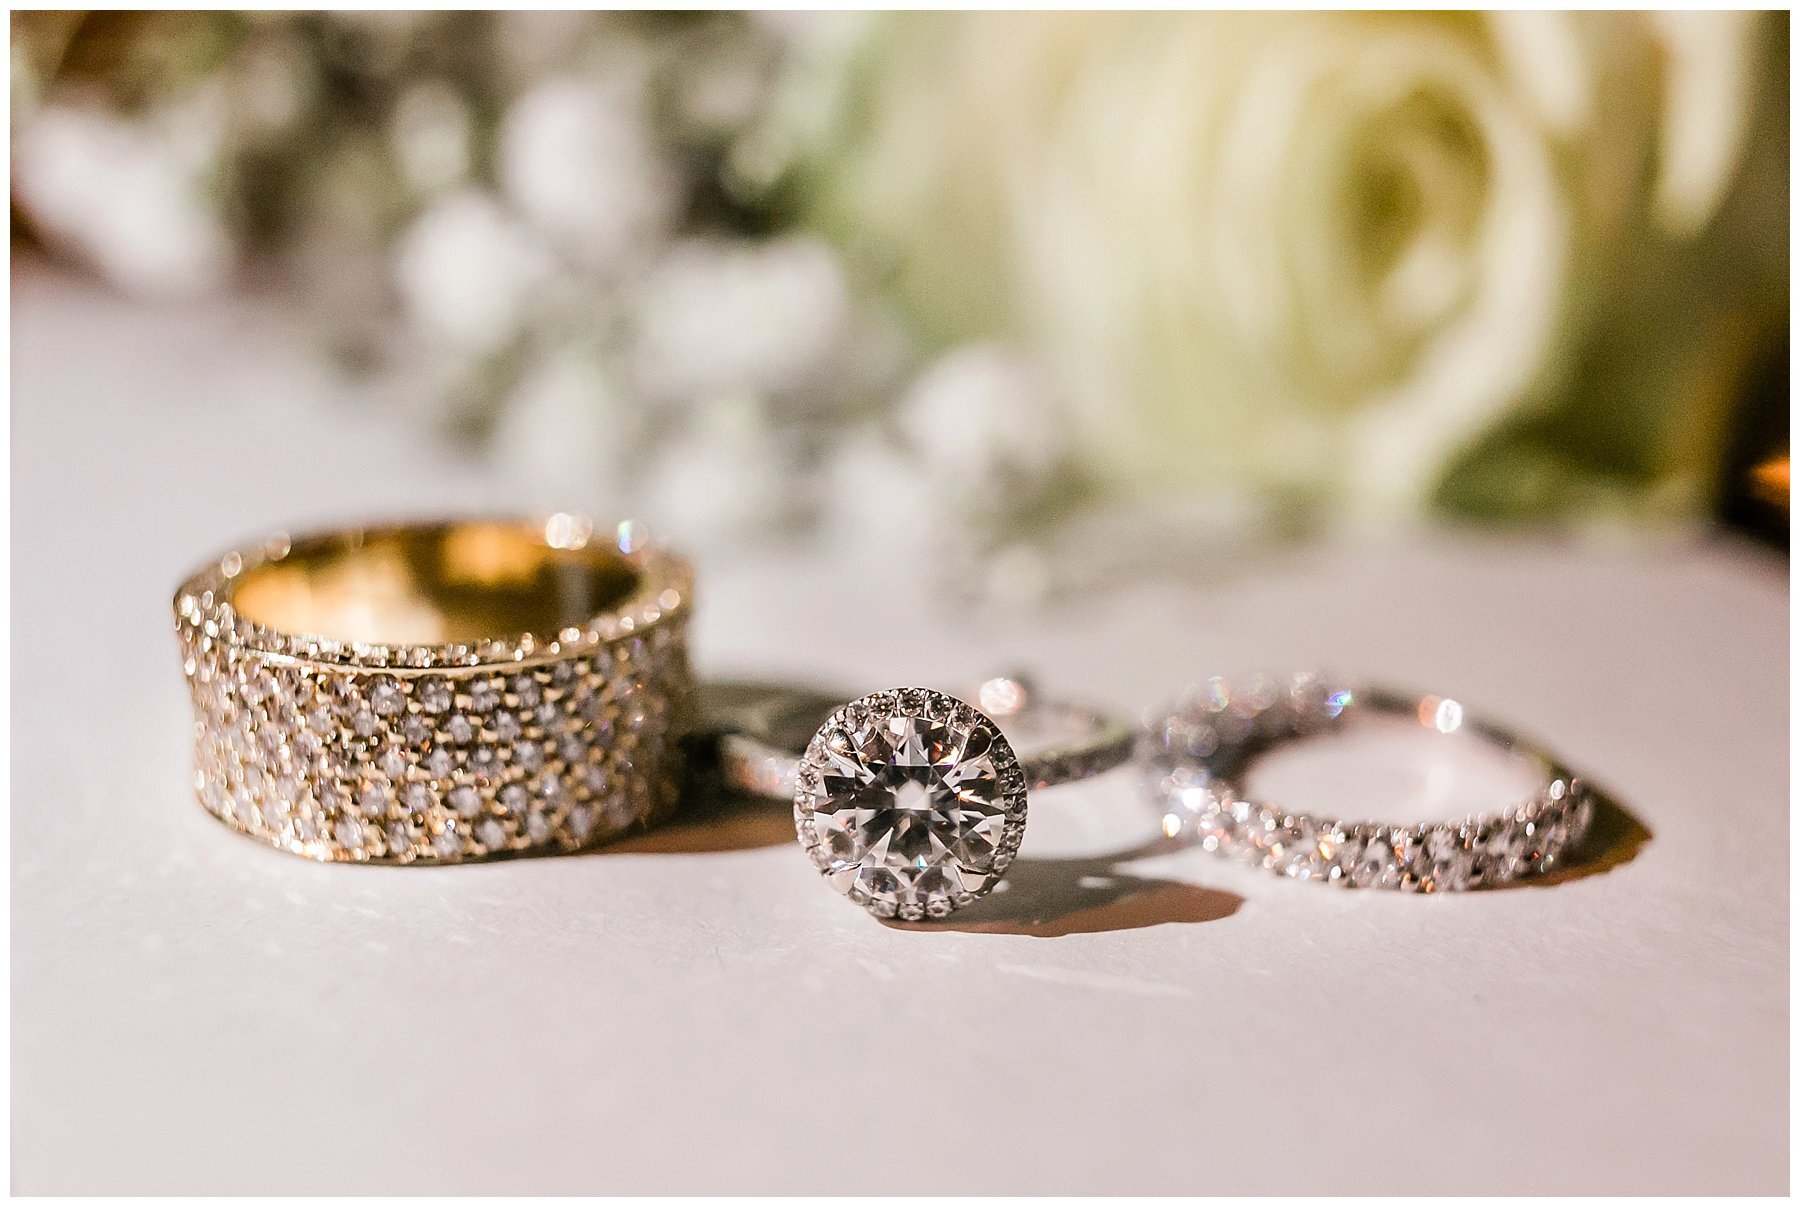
437 692
1769 482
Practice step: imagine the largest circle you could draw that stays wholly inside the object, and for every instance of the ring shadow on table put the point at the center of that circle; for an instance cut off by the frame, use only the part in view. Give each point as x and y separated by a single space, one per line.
1046 898
1614 838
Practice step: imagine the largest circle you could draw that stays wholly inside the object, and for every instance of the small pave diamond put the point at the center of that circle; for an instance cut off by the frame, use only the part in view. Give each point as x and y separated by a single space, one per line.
910 803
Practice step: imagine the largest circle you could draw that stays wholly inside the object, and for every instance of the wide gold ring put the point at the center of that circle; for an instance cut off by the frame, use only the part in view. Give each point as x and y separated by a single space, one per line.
439 692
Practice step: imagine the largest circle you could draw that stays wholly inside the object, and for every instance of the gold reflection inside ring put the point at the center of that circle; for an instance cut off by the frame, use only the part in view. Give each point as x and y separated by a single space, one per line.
436 584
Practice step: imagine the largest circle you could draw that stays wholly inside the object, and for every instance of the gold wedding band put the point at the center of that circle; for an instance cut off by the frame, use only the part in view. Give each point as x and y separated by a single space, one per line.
438 692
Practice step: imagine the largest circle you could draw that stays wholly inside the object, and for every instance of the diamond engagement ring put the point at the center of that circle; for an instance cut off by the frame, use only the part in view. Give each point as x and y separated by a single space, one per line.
439 692
911 802
1200 750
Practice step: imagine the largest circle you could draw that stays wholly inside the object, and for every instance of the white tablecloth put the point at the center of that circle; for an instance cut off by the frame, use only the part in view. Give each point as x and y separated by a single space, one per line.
693 1012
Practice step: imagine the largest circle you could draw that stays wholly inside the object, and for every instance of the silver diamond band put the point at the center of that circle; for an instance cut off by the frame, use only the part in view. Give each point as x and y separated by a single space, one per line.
1199 750
402 737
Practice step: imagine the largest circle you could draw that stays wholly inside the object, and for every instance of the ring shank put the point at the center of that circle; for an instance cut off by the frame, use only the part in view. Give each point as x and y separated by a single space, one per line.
752 760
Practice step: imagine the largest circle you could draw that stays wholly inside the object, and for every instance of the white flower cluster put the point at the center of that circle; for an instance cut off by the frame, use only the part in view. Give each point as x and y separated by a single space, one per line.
584 273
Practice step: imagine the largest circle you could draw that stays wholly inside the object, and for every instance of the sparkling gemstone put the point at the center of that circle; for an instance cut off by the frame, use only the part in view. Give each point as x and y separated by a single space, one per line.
1295 850
418 798
1503 845
439 764
465 800
907 808
435 695
393 764
1343 851
512 797
621 811
1376 864
460 728
537 827
492 834
447 844
506 726
485 762
1440 844
1455 873
348 832
581 823
387 698
1411 867
274 811
1553 830
243 806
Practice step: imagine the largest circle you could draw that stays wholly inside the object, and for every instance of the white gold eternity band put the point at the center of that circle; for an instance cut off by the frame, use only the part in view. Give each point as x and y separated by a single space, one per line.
1199 749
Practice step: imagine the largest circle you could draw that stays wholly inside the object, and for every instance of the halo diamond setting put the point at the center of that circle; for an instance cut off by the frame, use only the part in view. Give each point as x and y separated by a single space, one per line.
910 802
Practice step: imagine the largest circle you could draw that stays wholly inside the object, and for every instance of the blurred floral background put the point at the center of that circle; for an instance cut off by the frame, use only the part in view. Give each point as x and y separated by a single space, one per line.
1016 282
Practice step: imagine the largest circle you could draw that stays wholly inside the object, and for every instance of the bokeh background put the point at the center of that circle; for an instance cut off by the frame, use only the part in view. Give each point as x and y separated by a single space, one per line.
1006 288
1426 350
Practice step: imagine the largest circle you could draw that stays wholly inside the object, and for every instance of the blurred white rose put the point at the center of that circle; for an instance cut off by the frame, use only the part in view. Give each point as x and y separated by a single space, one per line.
983 422
1705 112
983 409
578 158
467 272
718 317
133 197
877 494
431 134
1279 255
533 44
568 431
725 479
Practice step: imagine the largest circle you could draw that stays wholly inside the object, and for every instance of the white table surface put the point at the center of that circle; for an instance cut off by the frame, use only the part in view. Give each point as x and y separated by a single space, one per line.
692 1012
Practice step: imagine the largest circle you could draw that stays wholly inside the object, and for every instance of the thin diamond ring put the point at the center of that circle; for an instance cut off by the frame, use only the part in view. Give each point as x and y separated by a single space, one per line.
911 802
1199 749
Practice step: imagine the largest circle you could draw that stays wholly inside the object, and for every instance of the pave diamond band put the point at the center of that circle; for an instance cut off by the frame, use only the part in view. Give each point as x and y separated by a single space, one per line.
911 802
440 692
1199 750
